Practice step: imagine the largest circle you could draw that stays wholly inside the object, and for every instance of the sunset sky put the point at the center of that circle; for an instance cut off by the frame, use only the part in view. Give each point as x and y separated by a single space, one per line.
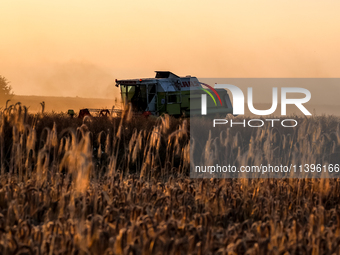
78 48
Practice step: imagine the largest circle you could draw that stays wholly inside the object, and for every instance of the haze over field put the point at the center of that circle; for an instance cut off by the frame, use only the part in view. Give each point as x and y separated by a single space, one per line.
78 48
63 104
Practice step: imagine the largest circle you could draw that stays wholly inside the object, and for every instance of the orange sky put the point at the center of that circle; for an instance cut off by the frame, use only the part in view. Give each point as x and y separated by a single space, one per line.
78 48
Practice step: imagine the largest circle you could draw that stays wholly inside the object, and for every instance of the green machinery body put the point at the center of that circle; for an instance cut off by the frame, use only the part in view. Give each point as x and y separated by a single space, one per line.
170 94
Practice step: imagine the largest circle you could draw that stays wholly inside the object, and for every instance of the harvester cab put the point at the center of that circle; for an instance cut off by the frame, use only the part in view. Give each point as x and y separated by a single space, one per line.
171 94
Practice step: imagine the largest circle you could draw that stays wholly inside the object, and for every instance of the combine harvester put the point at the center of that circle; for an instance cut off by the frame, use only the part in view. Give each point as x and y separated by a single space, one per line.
170 94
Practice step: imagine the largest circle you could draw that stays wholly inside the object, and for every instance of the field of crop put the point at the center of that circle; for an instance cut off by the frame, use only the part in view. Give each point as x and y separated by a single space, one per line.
122 186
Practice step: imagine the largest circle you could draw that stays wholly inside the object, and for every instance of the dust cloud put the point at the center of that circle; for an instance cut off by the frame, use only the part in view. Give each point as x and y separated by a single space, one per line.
64 79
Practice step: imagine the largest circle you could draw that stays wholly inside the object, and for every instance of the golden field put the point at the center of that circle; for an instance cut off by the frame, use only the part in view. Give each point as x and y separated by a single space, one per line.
122 186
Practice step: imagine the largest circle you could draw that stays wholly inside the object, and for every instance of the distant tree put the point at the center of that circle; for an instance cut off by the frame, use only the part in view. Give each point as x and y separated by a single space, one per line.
5 90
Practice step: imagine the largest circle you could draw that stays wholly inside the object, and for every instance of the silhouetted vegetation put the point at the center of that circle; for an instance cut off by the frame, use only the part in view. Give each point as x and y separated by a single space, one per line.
5 89
121 186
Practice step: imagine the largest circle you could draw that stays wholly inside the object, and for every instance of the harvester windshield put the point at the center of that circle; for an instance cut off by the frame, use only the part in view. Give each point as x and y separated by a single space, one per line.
136 95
